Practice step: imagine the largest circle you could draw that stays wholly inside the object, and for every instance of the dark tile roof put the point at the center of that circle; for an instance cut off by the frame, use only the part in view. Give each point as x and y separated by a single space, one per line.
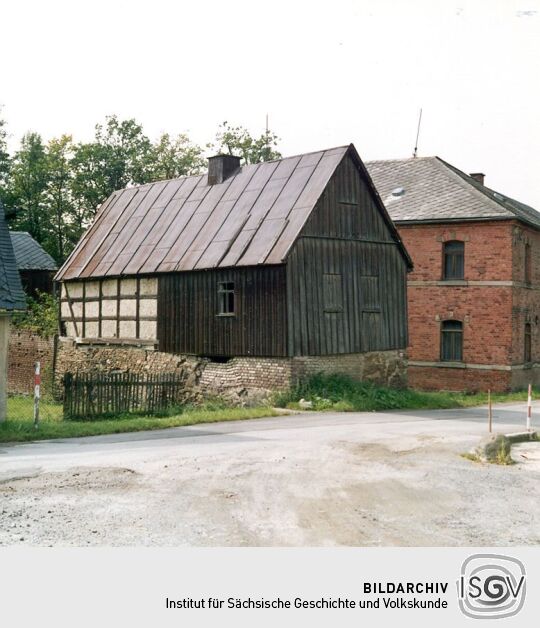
29 254
252 218
428 189
12 296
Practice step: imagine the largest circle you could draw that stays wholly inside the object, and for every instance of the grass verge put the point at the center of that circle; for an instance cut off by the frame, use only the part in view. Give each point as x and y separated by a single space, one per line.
340 393
52 425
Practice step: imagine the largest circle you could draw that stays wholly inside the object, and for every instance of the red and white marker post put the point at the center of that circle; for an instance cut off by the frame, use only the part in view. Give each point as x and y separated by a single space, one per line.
529 408
37 392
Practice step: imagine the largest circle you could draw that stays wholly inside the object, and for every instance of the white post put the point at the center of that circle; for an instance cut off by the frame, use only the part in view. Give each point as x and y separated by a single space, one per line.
4 340
37 384
529 408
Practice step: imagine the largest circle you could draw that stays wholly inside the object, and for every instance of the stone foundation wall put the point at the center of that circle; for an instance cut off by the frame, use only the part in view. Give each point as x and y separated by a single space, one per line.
81 358
241 380
24 350
386 368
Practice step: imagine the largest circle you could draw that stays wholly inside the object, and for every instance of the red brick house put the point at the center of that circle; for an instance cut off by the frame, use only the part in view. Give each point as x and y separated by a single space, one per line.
474 293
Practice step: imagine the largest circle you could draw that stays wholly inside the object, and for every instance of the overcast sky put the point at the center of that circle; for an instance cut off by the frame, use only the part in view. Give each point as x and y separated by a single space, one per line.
327 73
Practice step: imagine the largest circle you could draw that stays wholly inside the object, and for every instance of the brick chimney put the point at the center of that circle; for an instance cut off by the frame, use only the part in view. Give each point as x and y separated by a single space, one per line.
478 176
221 167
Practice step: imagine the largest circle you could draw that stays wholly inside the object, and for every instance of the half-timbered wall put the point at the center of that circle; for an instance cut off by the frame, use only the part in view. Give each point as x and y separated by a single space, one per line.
110 309
346 276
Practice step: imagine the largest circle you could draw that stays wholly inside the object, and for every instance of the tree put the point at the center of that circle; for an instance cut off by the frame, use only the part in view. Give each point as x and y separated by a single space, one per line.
27 187
119 156
5 162
236 140
58 198
175 157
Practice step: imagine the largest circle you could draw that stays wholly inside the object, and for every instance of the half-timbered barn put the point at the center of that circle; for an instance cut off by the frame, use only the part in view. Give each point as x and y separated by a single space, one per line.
293 259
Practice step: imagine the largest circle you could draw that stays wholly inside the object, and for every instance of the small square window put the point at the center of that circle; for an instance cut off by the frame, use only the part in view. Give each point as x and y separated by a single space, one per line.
226 298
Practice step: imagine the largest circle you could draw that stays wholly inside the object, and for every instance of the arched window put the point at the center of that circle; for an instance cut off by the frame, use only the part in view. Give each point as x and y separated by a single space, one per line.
452 341
453 259
527 353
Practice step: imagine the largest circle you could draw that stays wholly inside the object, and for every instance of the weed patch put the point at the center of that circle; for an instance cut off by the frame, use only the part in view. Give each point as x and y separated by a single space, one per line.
341 393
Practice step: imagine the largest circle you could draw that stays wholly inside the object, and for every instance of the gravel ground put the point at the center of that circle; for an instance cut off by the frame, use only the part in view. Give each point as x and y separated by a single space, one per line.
312 480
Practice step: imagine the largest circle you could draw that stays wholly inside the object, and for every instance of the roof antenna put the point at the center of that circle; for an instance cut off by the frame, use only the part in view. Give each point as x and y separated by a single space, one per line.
415 153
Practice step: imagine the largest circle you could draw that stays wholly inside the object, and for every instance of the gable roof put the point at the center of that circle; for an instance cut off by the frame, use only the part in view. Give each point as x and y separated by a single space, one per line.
29 254
12 296
436 191
252 218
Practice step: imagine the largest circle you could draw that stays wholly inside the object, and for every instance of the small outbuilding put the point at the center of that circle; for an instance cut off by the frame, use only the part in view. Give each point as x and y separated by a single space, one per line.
36 267
293 262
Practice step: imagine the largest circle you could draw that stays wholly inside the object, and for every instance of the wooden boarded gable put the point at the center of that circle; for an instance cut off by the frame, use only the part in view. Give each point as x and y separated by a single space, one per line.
346 275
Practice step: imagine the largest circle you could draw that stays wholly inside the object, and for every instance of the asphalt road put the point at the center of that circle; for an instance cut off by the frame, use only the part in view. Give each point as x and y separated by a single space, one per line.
393 478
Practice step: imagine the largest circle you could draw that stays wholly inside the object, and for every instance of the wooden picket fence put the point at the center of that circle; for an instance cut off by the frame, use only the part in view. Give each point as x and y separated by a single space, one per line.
99 395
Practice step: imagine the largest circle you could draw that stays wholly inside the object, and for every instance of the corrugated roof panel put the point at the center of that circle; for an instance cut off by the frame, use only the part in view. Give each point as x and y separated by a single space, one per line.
320 177
187 187
238 248
290 193
262 242
264 202
96 247
285 168
262 176
169 192
296 220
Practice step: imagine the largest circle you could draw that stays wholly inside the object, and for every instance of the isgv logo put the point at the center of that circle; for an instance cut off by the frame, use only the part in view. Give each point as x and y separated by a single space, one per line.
491 586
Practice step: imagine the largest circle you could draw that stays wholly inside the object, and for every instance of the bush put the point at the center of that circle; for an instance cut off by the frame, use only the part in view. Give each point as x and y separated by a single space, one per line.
41 317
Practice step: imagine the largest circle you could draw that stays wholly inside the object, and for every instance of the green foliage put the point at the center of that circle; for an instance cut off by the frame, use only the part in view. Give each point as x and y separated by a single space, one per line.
28 183
5 161
19 425
58 198
236 140
173 157
341 393
54 190
41 317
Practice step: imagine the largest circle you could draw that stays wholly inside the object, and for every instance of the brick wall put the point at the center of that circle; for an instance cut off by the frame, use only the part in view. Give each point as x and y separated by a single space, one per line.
472 380
486 311
526 297
25 348
488 249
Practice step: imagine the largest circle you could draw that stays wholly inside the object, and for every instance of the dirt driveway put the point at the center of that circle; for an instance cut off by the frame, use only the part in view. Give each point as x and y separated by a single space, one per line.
314 479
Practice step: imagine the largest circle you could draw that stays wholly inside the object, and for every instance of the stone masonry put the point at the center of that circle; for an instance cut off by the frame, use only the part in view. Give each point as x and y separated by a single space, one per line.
240 380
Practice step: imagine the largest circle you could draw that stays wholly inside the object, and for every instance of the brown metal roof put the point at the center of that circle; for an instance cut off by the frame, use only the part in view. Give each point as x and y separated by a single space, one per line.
252 218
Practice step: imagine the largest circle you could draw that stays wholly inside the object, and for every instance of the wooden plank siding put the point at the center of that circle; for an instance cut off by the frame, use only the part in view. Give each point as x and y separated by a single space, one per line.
189 320
347 241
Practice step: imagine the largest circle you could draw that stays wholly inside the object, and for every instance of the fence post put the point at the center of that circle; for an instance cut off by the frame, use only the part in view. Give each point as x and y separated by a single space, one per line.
37 392
529 408
490 411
